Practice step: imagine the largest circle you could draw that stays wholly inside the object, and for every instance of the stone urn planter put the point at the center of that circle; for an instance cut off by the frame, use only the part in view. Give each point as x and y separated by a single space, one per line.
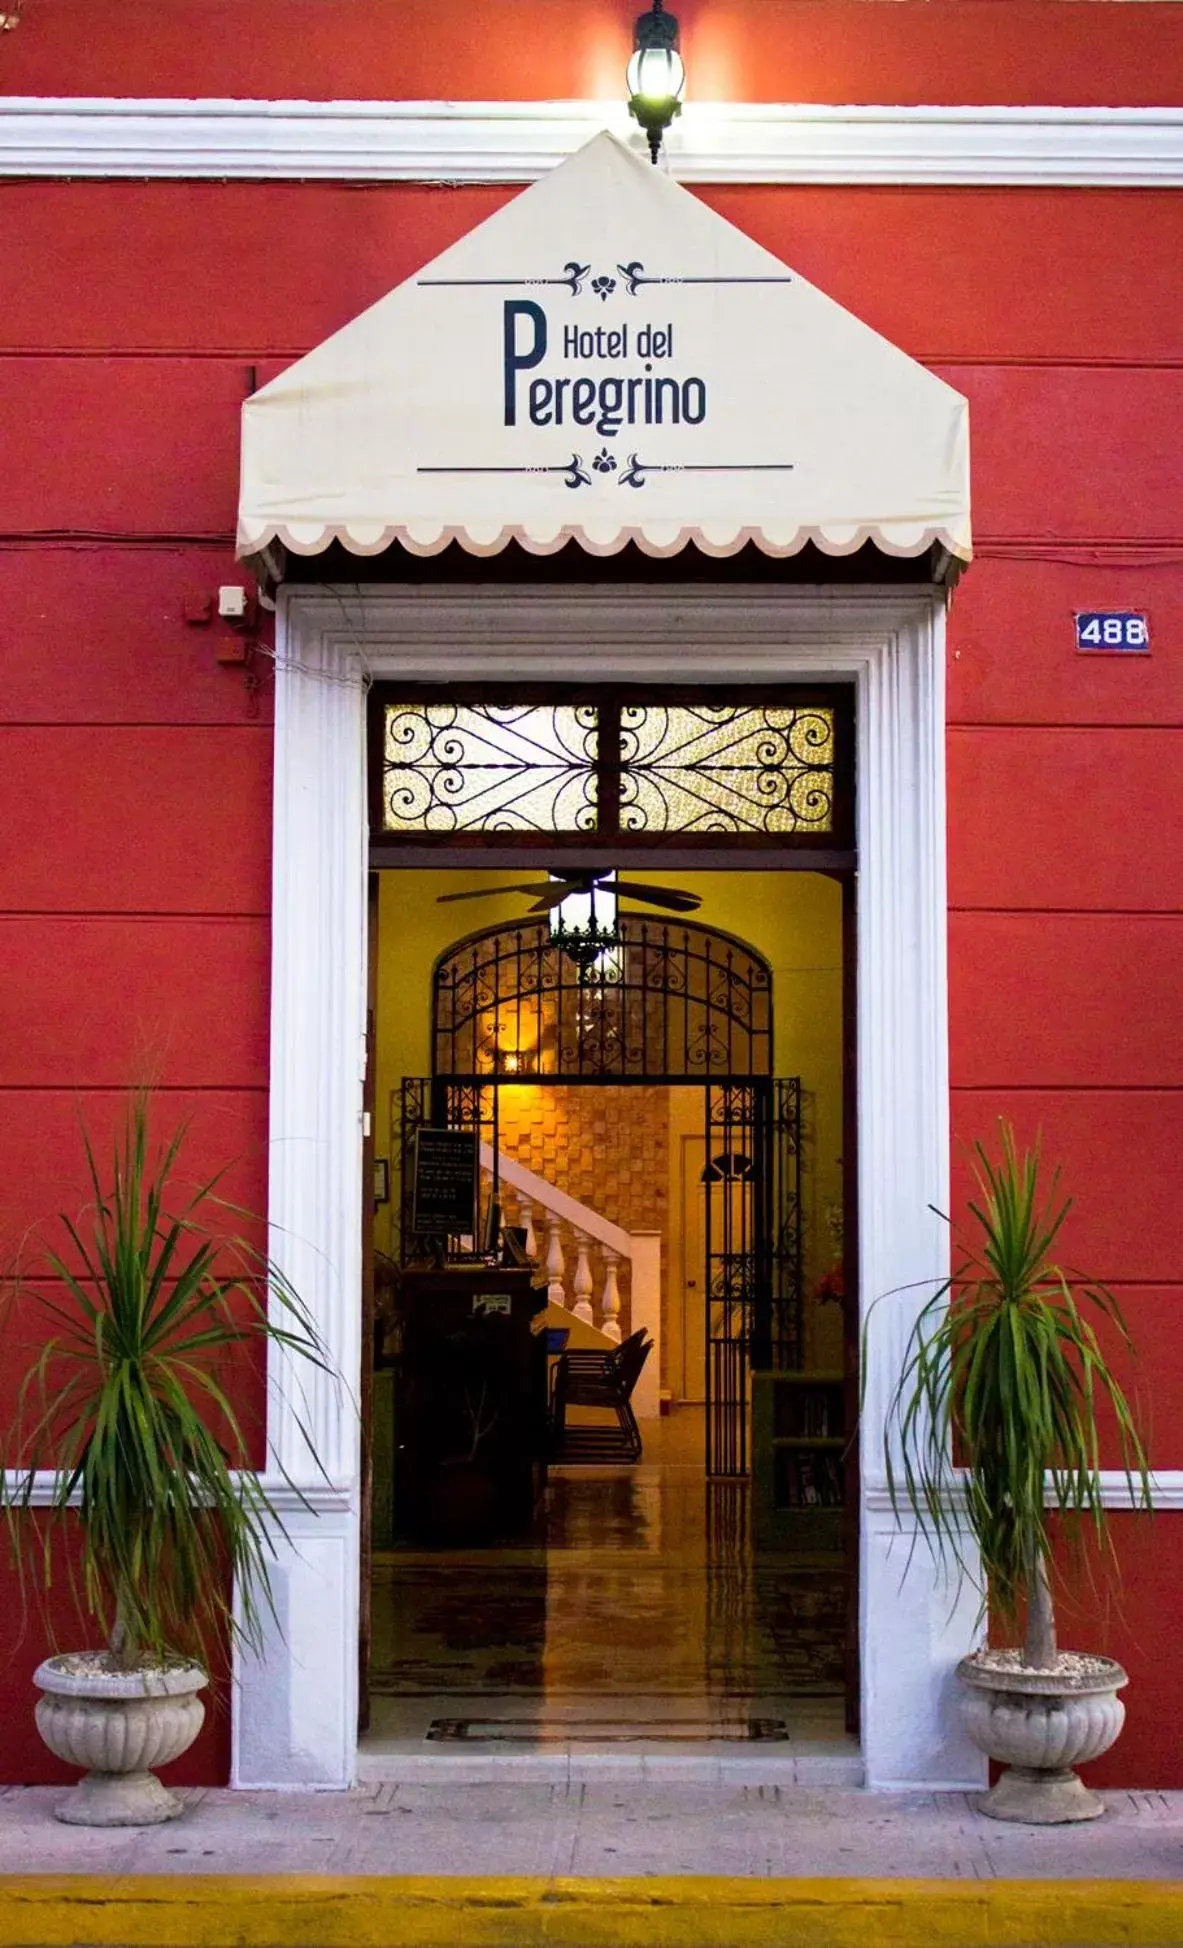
990 1447
1040 1725
136 1487
117 1725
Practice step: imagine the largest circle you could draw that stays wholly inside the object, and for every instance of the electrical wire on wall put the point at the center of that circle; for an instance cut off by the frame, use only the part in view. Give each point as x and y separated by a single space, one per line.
362 678
1082 554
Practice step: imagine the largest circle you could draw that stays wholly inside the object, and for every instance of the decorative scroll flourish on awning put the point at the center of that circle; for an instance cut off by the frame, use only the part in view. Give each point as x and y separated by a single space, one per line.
606 361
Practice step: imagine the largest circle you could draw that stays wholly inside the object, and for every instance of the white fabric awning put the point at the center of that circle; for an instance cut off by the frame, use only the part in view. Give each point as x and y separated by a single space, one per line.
606 361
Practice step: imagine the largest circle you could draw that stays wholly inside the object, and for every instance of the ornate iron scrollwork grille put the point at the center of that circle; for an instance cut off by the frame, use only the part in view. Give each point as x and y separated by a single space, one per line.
754 1252
676 1003
766 769
780 1337
735 1257
414 1110
673 1002
460 767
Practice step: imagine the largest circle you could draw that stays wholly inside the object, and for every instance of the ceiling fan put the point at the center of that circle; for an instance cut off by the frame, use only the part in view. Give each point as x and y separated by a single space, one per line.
552 892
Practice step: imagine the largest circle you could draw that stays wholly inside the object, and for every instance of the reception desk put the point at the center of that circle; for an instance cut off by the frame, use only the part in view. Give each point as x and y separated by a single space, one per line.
470 1404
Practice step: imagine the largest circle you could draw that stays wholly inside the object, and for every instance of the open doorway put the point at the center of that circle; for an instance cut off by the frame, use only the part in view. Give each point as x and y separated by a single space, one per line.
882 650
701 1592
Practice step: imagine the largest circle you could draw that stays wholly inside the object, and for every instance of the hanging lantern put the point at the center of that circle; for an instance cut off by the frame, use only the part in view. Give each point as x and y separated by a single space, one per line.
589 939
655 75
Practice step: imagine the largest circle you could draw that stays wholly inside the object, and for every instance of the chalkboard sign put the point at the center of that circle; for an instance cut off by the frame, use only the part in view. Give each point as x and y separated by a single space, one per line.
444 1183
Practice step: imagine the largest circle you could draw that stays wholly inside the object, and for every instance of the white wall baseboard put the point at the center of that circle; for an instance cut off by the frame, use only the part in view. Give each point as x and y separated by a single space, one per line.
515 142
1167 1488
325 1498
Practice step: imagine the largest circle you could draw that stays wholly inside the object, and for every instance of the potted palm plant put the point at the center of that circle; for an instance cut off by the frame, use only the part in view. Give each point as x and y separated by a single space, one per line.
992 1434
151 1502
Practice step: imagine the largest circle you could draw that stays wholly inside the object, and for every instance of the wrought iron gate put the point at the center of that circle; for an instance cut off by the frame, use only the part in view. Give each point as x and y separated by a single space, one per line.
670 1001
783 1347
733 1206
752 1230
753 1251
675 1003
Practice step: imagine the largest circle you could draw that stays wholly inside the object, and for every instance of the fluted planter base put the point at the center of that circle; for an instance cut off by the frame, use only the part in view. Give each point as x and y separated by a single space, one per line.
1037 1798
119 1799
118 1725
1040 1725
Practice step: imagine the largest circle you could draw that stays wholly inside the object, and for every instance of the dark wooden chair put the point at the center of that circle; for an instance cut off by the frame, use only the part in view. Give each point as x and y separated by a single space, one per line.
605 1380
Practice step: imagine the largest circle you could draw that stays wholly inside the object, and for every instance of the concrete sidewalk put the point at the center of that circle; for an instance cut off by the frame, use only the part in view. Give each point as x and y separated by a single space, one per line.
589 1863
600 1829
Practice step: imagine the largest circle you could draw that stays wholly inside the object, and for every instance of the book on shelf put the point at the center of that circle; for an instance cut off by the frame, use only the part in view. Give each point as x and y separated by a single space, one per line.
811 1415
813 1481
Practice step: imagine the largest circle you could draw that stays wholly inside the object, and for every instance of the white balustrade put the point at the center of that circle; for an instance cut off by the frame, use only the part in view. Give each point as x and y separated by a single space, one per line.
508 1203
556 1264
526 1222
610 1298
573 1233
583 1283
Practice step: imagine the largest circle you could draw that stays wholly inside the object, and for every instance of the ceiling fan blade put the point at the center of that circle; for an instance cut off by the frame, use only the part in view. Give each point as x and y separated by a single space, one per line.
554 895
659 896
491 892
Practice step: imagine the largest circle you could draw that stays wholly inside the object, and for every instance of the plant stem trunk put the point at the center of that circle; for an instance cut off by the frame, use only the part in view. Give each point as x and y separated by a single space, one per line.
1039 1649
122 1644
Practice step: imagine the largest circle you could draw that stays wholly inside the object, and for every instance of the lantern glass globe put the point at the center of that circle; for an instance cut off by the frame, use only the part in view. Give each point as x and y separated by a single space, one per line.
656 74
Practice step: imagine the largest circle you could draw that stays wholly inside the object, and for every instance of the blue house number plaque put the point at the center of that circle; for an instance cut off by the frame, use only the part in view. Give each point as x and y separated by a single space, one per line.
1113 632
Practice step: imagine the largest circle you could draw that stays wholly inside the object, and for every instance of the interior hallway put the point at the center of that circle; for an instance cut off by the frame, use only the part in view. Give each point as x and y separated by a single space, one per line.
635 1618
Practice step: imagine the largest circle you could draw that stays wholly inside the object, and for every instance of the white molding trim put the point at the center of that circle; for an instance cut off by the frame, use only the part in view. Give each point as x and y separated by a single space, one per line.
327 1498
1166 1490
295 1712
294 1718
516 142
319 1498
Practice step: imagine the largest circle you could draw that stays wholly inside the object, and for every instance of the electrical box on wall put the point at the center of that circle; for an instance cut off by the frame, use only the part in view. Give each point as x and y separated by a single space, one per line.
232 602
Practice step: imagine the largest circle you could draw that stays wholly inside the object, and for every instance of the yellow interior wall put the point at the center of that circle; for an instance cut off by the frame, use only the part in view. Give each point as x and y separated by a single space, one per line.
413 931
794 919
606 1146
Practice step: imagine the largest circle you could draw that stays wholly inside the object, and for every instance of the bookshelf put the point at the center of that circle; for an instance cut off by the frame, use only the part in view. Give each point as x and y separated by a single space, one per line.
798 1466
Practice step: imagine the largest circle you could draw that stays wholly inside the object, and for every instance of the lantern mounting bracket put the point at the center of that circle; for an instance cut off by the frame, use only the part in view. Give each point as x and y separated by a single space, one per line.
656 75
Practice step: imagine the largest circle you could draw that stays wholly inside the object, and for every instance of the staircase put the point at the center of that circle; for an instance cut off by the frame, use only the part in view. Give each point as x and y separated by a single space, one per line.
585 1256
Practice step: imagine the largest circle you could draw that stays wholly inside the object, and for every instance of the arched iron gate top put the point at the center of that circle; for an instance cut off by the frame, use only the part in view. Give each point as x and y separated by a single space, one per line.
673 1002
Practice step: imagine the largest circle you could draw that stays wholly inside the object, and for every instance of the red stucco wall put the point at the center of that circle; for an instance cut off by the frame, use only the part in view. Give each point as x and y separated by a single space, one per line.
134 868
531 50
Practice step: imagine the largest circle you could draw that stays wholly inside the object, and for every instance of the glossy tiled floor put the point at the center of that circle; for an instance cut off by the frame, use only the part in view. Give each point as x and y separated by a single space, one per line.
638 1618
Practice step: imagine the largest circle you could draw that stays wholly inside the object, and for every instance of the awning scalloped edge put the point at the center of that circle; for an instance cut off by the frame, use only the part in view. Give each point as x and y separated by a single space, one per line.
847 543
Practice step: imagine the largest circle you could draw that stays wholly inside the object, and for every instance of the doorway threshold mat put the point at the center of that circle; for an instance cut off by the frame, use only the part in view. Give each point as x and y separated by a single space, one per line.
608 1731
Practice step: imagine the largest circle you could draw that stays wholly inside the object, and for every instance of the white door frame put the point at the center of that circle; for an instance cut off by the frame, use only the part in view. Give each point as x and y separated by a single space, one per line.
295 1710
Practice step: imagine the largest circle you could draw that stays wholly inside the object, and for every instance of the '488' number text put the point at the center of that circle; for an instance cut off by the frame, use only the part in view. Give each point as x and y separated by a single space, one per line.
1112 630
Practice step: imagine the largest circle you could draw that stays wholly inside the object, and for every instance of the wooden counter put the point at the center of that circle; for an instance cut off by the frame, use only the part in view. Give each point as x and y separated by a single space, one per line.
470 1407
